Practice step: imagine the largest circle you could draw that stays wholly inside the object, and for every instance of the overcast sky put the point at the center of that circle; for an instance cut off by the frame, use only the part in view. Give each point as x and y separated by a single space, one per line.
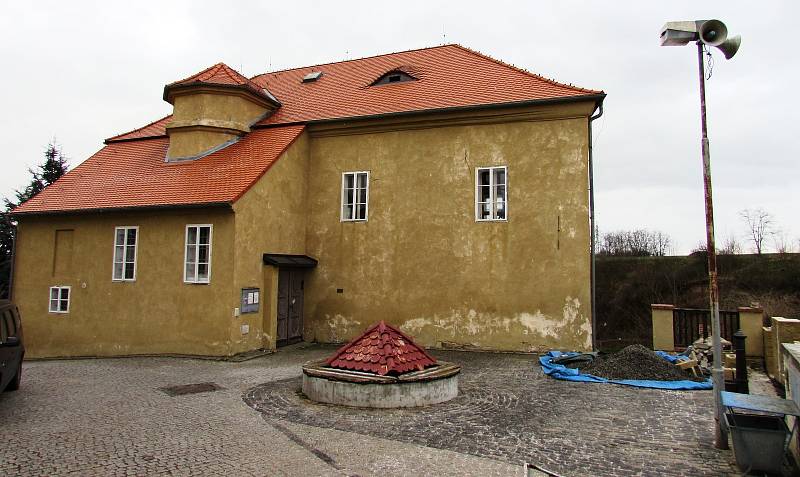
83 71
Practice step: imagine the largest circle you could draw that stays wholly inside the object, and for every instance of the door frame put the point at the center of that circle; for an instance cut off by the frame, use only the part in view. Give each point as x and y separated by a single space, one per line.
292 274
273 264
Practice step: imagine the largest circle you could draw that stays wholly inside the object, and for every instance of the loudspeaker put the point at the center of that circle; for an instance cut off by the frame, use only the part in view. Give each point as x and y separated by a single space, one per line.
730 46
713 32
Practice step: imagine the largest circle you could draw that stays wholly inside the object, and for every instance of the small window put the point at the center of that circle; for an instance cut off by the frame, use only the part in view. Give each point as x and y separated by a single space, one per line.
355 196
394 76
59 299
125 239
491 189
197 263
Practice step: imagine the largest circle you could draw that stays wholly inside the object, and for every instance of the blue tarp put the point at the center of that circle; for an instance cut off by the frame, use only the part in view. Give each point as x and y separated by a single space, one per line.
559 371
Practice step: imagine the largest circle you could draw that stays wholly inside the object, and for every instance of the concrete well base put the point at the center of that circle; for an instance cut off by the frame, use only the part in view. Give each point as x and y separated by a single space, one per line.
384 394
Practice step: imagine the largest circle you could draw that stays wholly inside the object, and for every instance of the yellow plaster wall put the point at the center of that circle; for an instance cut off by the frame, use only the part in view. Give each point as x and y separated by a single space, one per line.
204 120
422 262
270 218
157 313
751 322
217 106
663 332
190 143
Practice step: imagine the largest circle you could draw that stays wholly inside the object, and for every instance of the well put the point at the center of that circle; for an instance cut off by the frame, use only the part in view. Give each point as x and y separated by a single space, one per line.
382 368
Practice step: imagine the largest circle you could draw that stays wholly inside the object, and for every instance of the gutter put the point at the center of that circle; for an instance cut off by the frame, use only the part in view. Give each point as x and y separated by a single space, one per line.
593 239
597 98
136 208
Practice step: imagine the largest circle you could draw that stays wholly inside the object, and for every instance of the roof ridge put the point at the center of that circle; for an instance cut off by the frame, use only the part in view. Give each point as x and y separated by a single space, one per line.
354 59
217 65
523 70
137 129
238 76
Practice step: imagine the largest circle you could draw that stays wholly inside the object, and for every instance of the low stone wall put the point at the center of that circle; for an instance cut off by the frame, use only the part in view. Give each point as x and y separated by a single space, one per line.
782 330
750 322
790 356
390 395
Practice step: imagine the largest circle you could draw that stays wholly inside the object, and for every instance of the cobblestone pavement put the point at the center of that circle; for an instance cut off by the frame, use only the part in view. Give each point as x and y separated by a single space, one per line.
509 411
107 417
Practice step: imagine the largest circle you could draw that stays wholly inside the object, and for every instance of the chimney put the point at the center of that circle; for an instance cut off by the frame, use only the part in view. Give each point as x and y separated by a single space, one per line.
212 109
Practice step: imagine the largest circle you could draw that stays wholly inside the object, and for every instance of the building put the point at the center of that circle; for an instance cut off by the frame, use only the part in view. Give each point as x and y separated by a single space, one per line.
440 190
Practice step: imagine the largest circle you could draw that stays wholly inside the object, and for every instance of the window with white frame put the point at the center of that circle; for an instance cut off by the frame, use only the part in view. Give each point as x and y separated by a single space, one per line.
197 262
491 192
59 299
355 195
125 240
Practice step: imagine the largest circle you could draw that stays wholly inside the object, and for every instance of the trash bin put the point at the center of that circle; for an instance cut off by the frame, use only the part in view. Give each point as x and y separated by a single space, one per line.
759 441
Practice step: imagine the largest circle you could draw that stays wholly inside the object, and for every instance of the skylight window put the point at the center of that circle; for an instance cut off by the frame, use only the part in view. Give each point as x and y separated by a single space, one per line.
311 77
394 76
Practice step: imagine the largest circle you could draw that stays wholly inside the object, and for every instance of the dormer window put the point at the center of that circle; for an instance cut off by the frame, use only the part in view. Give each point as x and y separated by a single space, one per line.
311 77
394 76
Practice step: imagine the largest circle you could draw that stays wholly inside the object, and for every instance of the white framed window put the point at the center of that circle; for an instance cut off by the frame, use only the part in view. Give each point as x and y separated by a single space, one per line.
197 258
355 196
125 245
59 299
491 193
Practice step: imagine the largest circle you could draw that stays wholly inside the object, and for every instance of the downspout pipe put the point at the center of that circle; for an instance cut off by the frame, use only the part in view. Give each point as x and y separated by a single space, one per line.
593 238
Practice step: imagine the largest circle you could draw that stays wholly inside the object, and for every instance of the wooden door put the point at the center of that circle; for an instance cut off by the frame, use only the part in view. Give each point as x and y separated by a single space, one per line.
291 283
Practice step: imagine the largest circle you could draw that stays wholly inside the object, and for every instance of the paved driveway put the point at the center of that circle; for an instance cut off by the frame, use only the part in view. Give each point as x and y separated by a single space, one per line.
108 417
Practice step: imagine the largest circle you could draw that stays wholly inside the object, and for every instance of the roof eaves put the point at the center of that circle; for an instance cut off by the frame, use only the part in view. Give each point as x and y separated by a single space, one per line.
133 208
597 98
251 88
114 138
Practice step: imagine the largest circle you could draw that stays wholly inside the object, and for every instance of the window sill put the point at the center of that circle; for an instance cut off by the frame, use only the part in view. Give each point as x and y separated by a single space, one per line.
58 312
353 220
196 283
123 280
490 220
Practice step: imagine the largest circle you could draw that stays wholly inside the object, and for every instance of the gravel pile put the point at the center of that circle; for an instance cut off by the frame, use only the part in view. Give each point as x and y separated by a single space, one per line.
635 362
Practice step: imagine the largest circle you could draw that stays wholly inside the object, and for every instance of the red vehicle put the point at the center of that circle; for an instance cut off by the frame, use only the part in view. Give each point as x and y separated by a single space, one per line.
11 348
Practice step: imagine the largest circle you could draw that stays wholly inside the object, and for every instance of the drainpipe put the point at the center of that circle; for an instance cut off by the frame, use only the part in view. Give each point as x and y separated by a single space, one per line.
593 239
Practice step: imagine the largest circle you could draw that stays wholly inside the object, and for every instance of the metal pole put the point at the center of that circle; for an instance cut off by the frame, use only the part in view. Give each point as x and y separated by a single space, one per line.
717 376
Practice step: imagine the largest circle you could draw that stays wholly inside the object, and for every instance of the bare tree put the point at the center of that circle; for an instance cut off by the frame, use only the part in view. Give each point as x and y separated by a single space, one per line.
634 243
782 242
760 224
732 246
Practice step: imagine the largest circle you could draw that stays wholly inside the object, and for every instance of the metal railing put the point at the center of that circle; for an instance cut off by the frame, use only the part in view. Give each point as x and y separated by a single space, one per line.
690 324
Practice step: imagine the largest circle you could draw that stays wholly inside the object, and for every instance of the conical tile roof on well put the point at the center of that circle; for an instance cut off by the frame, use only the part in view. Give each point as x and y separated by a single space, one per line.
382 349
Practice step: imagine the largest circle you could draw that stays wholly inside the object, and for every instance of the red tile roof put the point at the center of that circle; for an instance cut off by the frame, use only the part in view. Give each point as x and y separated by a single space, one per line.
382 349
449 76
219 74
134 174
131 172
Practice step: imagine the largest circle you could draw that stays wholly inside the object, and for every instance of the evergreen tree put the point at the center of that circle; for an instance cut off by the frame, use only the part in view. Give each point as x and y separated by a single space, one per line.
54 166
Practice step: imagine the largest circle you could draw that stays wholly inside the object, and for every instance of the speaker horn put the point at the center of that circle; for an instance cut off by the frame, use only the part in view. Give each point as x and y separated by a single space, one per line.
730 46
713 32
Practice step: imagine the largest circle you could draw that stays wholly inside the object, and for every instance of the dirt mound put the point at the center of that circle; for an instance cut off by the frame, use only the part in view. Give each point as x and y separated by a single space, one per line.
634 362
